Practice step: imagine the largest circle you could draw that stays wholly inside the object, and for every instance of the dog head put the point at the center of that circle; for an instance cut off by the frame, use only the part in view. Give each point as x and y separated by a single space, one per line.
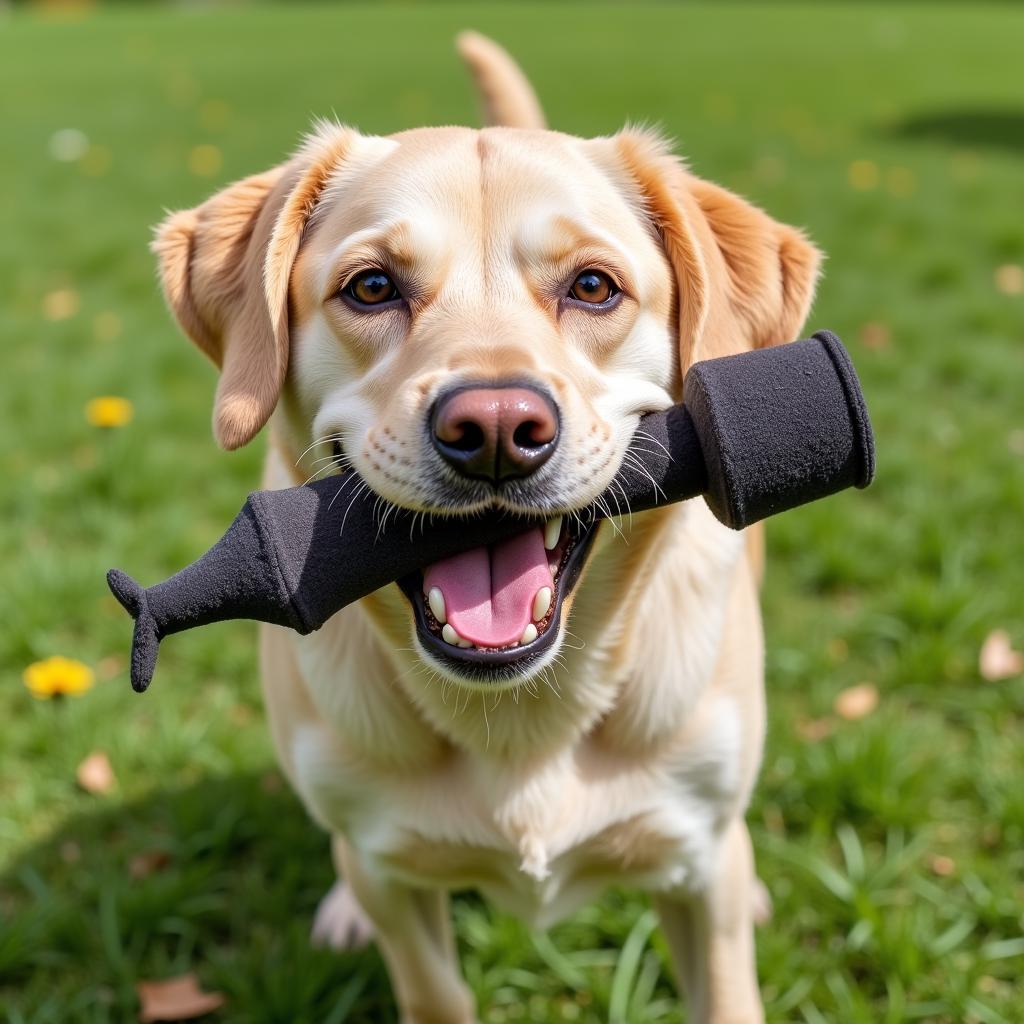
474 321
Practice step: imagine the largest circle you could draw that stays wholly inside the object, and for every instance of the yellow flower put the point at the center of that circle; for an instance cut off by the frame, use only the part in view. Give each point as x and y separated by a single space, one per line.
57 677
205 161
863 175
109 411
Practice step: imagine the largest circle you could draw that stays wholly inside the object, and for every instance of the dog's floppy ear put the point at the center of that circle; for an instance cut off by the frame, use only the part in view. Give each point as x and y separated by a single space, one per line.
744 279
225 268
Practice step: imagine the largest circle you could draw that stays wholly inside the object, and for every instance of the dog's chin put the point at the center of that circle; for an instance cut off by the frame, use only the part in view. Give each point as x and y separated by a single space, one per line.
479 666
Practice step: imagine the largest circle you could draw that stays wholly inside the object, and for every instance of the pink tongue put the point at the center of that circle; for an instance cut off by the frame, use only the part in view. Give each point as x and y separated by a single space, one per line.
489 591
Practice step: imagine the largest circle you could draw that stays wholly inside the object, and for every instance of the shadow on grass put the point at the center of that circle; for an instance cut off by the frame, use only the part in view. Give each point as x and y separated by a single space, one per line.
221 877
978 127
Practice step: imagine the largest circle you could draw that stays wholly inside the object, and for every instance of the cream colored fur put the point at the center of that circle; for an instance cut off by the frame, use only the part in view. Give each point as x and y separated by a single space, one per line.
629 756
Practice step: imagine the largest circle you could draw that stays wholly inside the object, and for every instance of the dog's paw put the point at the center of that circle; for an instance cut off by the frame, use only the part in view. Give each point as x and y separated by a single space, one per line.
340 923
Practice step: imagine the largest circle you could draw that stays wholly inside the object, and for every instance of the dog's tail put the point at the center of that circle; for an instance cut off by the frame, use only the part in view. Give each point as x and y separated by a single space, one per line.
507 96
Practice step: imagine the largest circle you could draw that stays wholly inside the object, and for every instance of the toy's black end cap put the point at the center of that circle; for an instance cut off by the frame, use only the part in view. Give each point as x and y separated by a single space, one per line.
146 638
864 438
780 427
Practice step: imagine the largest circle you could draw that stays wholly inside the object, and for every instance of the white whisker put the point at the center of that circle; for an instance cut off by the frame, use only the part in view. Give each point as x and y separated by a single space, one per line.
648 451
326 439
654 440
344 484
625 498
319 473
331 458
569 632
359 493
610 519
637 465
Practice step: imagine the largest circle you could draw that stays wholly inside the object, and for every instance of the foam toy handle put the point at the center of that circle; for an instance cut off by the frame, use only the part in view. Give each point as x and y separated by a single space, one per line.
759 433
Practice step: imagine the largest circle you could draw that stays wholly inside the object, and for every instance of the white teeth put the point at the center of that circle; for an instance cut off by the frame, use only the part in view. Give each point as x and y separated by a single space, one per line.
451 637
541 603
436 601
529 634
552 531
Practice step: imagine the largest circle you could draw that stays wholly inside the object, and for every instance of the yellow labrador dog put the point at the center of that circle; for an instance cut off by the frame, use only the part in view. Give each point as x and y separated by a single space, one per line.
475 321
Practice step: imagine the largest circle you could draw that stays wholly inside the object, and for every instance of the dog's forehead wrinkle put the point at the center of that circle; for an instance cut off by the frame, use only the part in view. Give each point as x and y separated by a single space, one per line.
485 245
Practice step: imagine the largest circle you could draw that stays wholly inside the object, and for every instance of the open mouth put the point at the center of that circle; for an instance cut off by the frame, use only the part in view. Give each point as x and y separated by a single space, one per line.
492 612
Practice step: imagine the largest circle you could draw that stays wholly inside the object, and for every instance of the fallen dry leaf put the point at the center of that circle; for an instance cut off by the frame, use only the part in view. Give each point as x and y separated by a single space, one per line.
175 999
61 304
773 819
997 658
856 701
147 863
814 730
70 852
271 783
110 667
875 335
95 775
1010 279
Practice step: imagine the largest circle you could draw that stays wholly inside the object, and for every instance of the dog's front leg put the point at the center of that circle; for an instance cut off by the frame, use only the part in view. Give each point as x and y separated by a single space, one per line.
414 933
711 937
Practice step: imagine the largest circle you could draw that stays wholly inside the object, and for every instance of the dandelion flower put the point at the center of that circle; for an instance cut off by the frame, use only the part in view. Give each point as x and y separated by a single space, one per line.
863 175
205 161
58 677
109 411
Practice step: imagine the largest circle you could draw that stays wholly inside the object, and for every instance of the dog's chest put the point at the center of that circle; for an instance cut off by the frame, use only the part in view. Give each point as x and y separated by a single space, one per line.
540 842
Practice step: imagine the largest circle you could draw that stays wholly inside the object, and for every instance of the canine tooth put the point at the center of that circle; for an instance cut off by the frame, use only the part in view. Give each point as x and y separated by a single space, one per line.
541 603
529 634
436 601
552 531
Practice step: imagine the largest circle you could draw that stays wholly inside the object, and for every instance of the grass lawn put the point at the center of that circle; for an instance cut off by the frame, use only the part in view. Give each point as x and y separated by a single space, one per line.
893 845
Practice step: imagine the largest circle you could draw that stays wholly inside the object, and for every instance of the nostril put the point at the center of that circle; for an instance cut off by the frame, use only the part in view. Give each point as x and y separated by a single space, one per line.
469 437
531 434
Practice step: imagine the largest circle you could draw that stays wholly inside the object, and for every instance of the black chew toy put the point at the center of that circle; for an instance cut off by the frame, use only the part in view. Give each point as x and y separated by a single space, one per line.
760 433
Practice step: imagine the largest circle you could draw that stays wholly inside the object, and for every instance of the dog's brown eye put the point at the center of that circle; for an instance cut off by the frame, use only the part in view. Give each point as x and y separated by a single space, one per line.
592 286
371 288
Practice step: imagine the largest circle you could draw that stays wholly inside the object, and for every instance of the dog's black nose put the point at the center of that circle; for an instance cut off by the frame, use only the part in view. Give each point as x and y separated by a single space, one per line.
493 432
